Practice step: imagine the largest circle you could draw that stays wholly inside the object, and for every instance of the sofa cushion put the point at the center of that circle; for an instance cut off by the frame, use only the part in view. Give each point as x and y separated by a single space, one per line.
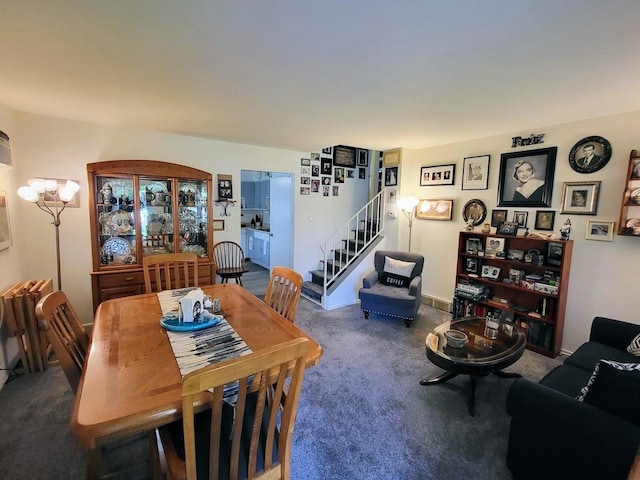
634 346
615 388
396 272
588 354
566 379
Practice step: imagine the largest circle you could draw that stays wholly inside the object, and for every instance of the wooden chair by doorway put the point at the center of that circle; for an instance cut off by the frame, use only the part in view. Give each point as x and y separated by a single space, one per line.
169 271
251 439
283 292
229 259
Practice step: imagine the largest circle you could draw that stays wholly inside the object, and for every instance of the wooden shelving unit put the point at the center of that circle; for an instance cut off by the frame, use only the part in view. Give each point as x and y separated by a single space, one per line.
629 224
529 288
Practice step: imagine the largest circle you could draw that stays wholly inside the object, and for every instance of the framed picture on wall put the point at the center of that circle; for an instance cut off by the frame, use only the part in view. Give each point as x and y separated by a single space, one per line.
580 198
391 177
475 173
344 156
526 178
437 175
590 154
545 219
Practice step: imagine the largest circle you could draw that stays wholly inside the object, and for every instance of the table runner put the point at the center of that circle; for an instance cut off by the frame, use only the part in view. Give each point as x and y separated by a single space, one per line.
194 350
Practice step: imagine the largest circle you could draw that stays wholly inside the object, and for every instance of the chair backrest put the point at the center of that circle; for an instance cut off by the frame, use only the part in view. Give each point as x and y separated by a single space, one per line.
70 342
418 259
228 255
283 292
170 270
261 378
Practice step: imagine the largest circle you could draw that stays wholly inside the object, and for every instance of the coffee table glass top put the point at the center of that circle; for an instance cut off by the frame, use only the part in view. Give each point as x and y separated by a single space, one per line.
485 345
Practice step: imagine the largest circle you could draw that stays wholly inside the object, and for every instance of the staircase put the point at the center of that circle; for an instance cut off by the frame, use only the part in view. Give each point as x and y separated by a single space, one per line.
345 249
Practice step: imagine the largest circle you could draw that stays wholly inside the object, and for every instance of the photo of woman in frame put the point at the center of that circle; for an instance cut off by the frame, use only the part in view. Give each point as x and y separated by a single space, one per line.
526 178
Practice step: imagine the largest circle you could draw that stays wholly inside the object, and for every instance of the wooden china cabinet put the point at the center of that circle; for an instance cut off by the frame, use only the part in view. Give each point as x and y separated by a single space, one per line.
146 207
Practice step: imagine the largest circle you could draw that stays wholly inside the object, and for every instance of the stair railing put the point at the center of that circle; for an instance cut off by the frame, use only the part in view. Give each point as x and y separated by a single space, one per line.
367 223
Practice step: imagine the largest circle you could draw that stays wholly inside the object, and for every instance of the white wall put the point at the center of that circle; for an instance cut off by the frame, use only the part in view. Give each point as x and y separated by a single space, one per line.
10 268
53 147
603 275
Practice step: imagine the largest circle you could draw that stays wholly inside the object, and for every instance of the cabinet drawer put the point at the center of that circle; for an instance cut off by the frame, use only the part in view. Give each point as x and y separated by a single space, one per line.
121 279
117 292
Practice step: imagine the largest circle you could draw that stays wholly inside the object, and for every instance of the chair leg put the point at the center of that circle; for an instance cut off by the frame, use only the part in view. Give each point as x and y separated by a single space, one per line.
239 280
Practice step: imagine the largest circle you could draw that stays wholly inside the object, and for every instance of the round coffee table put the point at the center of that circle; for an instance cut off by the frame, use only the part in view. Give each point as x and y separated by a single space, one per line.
490 348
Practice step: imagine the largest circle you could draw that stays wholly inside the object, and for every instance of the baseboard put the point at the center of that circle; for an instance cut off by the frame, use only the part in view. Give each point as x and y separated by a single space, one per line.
436 303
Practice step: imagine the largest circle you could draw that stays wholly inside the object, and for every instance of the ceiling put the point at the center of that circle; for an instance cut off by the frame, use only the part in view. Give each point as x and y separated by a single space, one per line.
305 74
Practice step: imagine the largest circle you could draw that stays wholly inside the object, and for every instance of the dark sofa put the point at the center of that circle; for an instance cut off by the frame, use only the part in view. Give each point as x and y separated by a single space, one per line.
553 435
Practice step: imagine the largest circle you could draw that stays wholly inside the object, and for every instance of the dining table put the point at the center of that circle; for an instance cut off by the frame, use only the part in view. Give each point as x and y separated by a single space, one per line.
131 382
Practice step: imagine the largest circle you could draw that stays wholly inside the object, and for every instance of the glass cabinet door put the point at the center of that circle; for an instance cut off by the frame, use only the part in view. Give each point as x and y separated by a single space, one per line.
156 215
192 215
116 226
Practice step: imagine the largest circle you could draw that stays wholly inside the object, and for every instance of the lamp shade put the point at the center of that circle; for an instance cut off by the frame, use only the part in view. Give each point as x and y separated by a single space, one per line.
28 194
407 203
37 184
67 192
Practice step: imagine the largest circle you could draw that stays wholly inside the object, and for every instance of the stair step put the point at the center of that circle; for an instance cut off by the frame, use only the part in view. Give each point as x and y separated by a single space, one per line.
312 291
317 277
344 255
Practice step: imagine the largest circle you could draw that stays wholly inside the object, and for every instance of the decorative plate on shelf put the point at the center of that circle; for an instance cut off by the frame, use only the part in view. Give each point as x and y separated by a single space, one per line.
474 211
117 222
635 196
633 223
116 246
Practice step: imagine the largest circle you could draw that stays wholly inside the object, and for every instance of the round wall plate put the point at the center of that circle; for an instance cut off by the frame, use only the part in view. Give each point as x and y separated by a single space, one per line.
590 154
476 210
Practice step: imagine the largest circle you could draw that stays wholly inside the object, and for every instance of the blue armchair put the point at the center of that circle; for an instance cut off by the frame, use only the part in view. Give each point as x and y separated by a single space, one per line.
394 287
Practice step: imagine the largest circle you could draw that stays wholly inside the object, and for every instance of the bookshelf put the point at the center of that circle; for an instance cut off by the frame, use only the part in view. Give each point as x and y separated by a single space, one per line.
629 224
523 280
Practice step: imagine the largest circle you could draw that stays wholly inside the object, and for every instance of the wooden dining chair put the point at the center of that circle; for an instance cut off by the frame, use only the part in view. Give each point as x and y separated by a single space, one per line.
252 438
229 258
65 333
283 292
169 271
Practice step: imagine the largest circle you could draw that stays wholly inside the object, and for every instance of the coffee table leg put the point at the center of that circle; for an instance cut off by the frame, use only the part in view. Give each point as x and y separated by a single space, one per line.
439 379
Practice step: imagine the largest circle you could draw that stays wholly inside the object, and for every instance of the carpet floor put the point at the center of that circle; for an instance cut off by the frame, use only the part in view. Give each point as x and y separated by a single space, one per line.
362 414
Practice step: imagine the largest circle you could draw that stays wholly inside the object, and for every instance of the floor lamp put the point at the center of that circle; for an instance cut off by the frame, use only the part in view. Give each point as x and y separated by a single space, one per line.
45 193
408 206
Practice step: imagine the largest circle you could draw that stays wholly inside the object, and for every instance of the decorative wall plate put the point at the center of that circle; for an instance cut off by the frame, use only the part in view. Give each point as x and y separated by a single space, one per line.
474 210
590 154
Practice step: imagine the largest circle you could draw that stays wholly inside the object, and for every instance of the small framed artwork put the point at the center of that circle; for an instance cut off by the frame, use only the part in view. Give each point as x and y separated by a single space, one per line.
51 201
475 173
391 158
326 180
325 166
305 180
225 187
305 162
494 246
473 245
580 198
393 195
315 185
545 219
5 227
344 156
391 177
305 190
362 172
590 154
520 218
554 253
497 217
315 157
315 170
305 170
327 150
437 175
526 178
349 173
218 225
338 175
507 229
434 209
474 212
471 265
336 190
602 231
363 157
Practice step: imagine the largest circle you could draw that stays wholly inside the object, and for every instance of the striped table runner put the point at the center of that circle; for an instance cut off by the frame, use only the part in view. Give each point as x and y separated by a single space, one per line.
194 350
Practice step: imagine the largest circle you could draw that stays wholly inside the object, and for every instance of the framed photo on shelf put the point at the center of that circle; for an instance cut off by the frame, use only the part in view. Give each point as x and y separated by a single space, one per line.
526 178
344 156
590 154
497 217
520 217
507 228
471 265
473 245
580 198
475 172
437 175
218 225
494 246
602 231
554 253
434 209
545 219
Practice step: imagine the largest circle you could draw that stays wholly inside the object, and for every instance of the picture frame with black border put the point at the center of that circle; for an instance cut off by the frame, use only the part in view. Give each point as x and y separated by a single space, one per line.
580 198
520 217
327 150
315 157
338 175
590 154
325 166
602 231
315 170
522 171
498 216
390 176
509 229
545 219
344 156
363 158
305 162
350 173
472 265
437 175
473 245
475 172
362 173
554 253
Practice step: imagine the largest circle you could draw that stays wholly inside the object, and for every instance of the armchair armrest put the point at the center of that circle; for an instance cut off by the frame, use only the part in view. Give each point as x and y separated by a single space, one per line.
578 440
614 333
415 287
370 280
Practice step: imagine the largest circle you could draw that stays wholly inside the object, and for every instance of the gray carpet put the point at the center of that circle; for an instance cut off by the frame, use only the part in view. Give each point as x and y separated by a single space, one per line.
362 414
